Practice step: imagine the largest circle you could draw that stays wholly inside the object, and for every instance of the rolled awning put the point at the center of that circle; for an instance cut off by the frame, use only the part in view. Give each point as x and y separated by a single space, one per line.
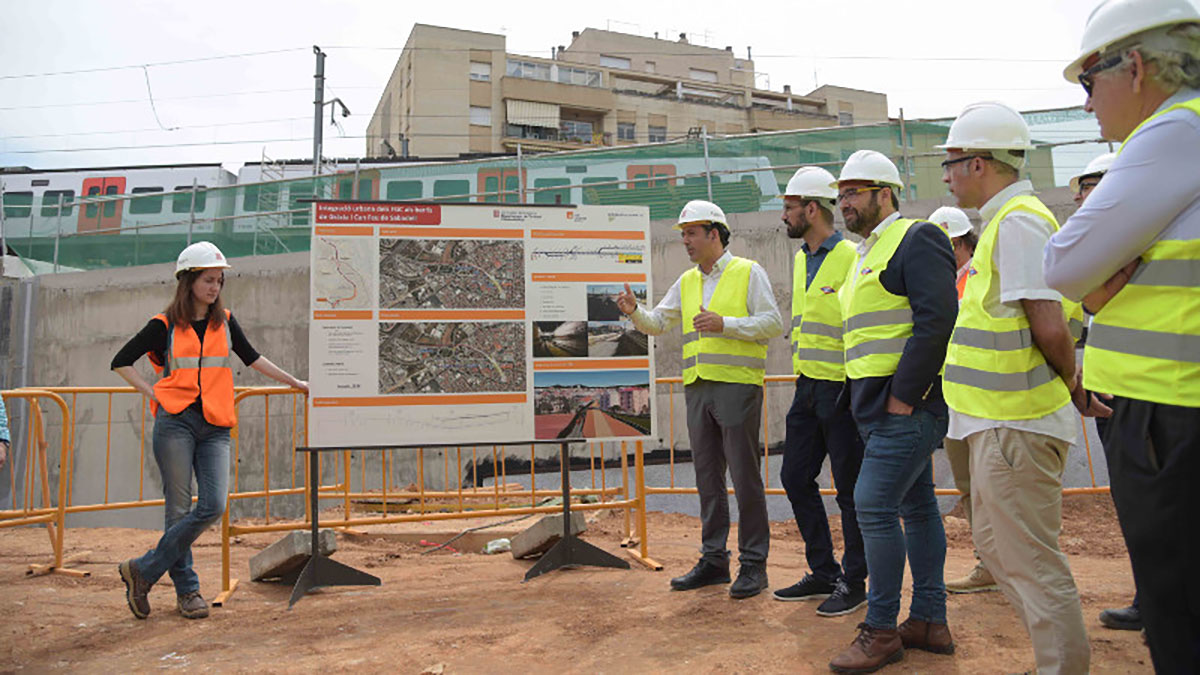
532 113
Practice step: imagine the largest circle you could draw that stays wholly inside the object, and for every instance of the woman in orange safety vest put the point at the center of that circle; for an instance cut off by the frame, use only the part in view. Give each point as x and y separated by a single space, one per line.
191 345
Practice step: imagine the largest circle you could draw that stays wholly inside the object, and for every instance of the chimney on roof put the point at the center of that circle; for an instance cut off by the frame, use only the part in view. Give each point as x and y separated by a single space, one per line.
655 35
748 57
574 34
787 88
683 38
729 49
561 49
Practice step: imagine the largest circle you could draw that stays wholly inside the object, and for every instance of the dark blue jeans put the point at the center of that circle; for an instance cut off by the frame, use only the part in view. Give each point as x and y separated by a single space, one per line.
816 428
896 481
185 444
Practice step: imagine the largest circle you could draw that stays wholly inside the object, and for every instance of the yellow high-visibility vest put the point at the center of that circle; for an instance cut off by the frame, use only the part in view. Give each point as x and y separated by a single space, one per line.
993 369
713 356
1145 343
817 349
876 324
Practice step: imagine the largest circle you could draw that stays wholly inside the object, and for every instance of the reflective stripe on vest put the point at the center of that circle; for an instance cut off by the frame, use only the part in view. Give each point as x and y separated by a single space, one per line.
714 356
1145 342
817 349
195 369
993 368
877 324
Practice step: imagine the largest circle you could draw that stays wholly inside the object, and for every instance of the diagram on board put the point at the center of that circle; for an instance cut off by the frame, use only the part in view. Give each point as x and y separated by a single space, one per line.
342 271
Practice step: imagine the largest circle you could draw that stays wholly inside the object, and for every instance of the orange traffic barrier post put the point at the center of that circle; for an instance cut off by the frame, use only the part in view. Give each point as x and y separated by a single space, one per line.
36 450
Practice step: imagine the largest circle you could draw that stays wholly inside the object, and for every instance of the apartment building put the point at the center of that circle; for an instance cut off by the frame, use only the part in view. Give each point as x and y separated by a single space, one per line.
456 92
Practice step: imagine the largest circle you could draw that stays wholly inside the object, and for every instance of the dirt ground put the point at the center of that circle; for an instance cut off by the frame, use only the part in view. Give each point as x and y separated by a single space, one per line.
465 613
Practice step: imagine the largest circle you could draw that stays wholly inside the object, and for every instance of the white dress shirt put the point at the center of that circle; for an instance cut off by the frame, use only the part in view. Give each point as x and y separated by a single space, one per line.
1151 192
763 323
1013 257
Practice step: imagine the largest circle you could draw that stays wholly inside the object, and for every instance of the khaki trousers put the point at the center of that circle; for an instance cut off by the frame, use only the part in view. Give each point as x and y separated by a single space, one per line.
1016 497
959 455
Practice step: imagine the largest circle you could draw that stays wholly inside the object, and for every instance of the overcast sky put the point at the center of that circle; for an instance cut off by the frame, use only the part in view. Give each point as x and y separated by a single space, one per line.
930 57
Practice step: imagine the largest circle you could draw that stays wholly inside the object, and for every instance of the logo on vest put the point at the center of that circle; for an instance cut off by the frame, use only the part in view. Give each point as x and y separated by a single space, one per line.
866 270
827 290
972 272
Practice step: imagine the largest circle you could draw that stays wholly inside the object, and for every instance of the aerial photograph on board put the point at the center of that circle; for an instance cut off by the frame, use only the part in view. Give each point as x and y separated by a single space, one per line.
451 273
445 357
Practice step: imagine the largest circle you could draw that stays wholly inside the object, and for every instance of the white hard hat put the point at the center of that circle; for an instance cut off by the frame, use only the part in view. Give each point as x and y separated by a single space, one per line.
700 211
872 166
1115 20
812 182
200 255
952 220
1096 167
991 126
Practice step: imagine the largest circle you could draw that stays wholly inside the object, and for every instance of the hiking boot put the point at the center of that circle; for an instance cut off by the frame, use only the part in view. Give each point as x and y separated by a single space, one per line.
137 589
192 606
931 637
808 588
979 579
703 574
1127 618
751 580
871 650
844 600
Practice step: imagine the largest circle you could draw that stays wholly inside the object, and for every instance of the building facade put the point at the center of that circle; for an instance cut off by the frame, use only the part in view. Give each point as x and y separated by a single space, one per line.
458 92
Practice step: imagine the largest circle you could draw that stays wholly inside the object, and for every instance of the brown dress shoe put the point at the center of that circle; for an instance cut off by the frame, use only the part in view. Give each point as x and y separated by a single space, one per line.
873 649
931 637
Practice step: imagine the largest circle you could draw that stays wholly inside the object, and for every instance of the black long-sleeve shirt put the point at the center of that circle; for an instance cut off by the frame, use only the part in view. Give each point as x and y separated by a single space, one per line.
922 268
152 339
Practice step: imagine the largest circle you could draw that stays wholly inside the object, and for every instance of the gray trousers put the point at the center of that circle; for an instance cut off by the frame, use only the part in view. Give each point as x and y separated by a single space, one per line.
723 424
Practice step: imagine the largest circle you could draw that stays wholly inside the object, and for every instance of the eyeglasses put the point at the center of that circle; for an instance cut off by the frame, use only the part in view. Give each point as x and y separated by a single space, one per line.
1088 77
1085 185
951 162
850 192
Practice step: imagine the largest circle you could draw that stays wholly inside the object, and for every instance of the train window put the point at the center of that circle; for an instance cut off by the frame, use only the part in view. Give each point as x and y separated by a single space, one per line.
551 196
250 198
18 204
452 190
150 203
491 184
90 209
512 189
182 202
296 191
50 202
590 194
403 189
110 207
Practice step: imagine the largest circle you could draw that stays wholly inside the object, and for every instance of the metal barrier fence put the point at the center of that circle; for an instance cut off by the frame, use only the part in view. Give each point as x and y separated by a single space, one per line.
672 488
378 486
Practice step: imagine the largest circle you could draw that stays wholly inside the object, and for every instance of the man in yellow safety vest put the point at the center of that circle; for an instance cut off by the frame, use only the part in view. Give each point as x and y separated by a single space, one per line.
1132 254
728 312
816 426
1009 378
898 309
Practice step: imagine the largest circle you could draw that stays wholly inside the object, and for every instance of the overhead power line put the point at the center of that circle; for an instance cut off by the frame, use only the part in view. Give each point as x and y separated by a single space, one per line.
173 145
175 62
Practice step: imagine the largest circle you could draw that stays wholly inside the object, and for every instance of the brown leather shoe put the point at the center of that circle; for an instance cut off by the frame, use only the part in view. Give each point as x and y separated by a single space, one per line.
137 589
873 649
932 637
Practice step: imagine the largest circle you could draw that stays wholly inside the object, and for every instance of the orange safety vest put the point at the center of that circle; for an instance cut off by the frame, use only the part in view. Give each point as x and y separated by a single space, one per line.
190 371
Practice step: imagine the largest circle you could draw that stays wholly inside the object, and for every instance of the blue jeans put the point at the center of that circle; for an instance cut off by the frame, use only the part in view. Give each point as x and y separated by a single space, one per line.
183 444
896 481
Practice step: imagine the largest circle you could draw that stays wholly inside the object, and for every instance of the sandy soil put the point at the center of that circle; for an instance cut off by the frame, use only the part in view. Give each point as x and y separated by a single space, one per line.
455 612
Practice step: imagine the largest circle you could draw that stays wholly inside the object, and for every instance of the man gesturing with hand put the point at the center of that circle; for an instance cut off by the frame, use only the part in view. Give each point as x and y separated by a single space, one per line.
728 313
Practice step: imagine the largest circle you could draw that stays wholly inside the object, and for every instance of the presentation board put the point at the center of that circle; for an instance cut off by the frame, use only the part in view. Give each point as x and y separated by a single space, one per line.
476 323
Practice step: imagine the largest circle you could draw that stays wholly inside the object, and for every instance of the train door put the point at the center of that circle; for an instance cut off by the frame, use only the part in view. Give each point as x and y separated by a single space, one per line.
644 171
495 180
103 216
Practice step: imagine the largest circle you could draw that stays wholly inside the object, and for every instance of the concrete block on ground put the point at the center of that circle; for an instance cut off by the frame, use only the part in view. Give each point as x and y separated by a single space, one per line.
539 537
288 555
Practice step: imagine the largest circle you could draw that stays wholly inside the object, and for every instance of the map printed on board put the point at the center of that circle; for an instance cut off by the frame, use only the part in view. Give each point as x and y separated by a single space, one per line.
477 322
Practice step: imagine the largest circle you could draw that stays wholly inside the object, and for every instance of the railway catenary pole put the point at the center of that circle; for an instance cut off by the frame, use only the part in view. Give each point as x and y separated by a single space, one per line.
904 152
318 104
707 170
